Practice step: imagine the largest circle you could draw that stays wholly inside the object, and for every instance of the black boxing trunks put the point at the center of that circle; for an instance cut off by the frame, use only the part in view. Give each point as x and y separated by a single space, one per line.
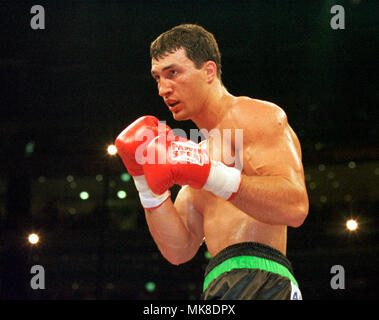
250 271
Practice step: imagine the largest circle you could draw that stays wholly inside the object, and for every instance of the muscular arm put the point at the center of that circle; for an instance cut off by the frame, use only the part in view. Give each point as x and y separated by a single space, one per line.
177 229
272 189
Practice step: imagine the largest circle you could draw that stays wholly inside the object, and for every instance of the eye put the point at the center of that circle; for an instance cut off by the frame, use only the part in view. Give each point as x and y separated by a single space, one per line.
173 72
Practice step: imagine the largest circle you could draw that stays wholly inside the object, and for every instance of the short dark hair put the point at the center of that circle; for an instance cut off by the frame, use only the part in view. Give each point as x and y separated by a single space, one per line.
199 44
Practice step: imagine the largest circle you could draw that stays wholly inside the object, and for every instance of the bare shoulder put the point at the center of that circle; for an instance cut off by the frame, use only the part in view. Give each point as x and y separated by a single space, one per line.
254 110
255 116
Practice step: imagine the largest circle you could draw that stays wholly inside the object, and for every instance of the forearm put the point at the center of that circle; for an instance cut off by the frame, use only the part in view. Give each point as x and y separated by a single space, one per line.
170 233
272 200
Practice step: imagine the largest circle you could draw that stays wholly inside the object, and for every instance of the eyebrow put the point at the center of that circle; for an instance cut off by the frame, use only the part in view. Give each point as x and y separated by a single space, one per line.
173 65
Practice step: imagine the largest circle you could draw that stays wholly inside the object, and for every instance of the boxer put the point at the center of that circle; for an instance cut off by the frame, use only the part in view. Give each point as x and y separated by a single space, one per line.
241 209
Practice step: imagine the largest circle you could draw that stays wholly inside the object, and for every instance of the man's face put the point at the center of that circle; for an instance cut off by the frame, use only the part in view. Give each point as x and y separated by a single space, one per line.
180 84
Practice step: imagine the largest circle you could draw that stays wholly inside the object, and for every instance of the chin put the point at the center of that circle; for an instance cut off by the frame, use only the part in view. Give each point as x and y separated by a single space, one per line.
180 116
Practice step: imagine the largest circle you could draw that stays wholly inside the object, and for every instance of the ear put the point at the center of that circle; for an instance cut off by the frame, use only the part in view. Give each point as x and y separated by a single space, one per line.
210 69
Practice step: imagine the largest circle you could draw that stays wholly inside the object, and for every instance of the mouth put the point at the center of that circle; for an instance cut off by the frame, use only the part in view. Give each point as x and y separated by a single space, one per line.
173 105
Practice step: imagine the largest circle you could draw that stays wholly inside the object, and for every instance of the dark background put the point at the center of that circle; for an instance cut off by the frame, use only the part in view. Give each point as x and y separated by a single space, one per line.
68 90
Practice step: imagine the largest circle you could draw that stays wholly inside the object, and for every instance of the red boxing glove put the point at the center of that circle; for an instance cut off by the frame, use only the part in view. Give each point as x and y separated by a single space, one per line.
132 142
181 161
131 145
175 161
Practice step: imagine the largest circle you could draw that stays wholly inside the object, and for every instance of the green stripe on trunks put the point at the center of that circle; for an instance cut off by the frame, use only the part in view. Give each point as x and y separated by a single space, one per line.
249 262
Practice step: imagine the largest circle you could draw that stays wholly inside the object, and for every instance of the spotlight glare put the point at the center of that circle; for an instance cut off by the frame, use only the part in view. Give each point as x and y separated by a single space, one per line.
84 195
33 238
121 194
112 150
351 225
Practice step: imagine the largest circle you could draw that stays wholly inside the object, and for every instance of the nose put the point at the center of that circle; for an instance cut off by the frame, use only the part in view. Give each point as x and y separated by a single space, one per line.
164 88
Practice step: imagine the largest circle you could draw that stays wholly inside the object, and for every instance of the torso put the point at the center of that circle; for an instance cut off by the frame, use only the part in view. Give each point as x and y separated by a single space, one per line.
224 224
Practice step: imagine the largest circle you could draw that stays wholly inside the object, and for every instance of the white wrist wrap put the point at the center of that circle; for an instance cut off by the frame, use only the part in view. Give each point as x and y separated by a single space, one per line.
223 181
149 200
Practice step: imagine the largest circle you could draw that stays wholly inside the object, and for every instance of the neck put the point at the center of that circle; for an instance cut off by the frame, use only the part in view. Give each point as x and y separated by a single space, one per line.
213 108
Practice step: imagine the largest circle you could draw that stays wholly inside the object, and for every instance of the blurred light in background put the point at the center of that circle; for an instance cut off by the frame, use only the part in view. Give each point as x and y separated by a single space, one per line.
351 225
121 194
150 286
112 150
352 164
33 238
29 148
84 195
125 177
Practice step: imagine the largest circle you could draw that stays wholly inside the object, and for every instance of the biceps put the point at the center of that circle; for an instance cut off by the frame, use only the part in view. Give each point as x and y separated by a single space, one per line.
281 158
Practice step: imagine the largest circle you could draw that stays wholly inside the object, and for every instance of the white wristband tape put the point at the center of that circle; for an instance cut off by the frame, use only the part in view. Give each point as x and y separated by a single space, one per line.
223 181
149 200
